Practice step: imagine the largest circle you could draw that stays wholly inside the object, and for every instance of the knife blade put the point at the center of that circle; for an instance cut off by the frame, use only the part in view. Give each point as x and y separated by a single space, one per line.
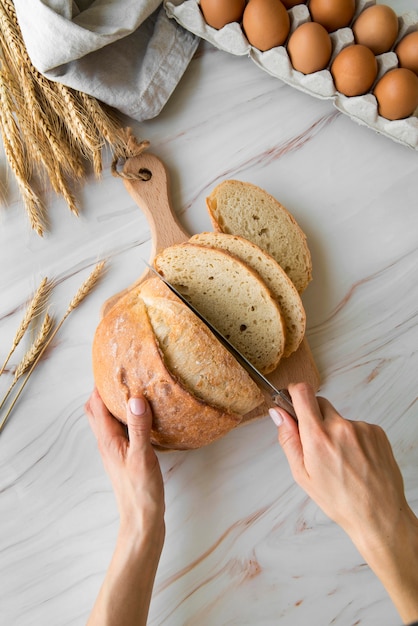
280 397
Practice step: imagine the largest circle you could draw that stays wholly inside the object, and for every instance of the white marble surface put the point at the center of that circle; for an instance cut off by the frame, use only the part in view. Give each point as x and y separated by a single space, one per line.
244 545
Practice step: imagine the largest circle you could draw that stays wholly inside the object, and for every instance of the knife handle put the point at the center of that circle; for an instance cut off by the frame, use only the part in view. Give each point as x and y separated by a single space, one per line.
283 400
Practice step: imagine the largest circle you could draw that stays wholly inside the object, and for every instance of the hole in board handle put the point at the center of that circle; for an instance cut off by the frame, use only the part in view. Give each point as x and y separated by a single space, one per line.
144 173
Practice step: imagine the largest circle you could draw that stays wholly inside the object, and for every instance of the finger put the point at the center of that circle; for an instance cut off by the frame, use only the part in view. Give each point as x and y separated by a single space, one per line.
88 408
139 420
306 405
289 440
103 424
328 411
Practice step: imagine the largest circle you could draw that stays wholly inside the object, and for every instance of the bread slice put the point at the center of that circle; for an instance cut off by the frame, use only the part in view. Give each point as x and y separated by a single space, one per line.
280 285
231 296
240 208
151 343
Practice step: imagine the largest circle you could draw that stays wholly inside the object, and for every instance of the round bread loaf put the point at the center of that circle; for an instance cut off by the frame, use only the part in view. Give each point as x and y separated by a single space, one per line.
240 208
150 343
276 279
229 294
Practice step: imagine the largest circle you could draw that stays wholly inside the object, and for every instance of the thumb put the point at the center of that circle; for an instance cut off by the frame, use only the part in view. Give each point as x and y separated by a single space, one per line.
139 421
289 440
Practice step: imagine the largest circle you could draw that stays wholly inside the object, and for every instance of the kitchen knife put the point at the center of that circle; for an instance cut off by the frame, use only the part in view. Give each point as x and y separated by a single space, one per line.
279 397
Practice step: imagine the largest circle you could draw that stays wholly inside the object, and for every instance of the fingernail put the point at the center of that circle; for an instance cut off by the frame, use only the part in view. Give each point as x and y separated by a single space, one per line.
137 406
276 416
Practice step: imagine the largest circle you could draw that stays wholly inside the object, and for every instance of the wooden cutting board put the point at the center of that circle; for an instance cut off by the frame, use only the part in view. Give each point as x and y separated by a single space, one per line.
152 196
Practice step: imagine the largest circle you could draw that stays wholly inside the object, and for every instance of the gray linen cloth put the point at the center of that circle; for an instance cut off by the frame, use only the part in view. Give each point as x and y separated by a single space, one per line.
126 53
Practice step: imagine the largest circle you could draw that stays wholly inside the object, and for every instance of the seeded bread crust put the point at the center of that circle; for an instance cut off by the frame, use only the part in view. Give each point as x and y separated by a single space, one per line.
231 296
243 209
276 279
150 343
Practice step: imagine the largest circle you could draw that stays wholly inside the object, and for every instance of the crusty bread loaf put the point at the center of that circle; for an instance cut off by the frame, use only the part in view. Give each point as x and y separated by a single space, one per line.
151 343
240 208
231 296
276 279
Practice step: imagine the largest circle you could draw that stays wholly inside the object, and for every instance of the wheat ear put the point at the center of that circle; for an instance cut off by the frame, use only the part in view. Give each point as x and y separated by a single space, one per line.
35 306
82 293
32 354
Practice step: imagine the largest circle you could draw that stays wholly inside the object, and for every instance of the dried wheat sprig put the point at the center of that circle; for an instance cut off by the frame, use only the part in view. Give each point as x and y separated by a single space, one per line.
48 135
63 188
10 129
81 294
49 126
33 204
31 355
25 81
44 148
16 156
37 134
10 34
35 306
86 287
44 134
106 121
63 126
51 99
84 132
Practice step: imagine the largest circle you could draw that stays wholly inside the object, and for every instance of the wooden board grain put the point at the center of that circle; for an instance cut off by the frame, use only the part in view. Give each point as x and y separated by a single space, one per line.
153 197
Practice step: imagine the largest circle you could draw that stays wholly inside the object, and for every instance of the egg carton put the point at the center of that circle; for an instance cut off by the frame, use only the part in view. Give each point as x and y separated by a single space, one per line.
362 109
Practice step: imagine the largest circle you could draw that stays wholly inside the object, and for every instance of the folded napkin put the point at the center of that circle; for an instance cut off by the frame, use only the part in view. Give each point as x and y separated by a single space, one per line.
126 53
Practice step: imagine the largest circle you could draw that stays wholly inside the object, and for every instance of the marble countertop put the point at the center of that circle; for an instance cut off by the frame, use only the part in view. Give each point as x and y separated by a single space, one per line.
244 545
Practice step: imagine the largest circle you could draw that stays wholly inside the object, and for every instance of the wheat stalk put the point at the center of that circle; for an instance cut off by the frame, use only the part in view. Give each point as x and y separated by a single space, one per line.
31 355
106 122
45 131
35 306
86 287
46 125
81 294
15 153
13 48
78 125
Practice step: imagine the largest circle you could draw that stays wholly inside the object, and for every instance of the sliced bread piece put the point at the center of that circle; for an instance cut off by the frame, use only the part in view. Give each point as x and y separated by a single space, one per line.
231 296
240 208
276 279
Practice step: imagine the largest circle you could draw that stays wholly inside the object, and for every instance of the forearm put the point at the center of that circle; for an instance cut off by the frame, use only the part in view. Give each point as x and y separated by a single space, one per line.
125 595
395 563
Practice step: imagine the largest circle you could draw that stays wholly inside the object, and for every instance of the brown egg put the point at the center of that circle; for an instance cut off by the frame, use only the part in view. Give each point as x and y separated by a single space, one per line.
218 13
407 51
377 28
309 48
292 3
397 94
266 23
354 70
332 14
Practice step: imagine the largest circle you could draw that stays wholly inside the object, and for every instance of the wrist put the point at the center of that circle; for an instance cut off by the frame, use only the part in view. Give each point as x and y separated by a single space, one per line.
137 538
393 555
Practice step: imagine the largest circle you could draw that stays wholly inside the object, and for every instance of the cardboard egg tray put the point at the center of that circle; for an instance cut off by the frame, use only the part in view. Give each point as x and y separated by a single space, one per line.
362 109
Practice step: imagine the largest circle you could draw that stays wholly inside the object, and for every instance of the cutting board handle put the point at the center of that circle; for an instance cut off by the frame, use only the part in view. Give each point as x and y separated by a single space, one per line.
153 197
146 180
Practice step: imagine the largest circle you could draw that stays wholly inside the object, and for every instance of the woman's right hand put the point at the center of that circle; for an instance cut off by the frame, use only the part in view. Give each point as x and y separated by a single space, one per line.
349 470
